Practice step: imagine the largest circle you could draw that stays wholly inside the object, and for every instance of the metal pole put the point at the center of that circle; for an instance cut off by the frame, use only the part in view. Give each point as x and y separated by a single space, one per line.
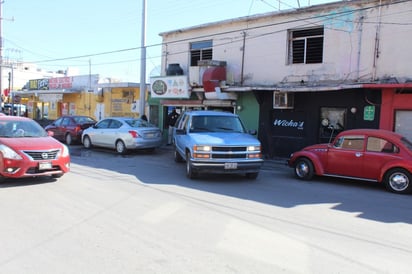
1 53
143 62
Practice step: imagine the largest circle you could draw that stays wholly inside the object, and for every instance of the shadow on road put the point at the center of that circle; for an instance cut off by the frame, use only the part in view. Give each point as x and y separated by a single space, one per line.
276 185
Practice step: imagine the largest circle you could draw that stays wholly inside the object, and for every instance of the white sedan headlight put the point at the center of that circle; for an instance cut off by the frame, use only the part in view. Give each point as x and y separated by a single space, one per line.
9 153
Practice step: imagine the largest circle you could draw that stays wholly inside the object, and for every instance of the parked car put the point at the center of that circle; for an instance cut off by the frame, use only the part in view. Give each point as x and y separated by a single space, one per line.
14 109
361 154
216 142
123 134
69 128
27 150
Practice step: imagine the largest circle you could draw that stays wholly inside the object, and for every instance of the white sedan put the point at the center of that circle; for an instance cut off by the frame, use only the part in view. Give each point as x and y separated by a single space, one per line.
122 134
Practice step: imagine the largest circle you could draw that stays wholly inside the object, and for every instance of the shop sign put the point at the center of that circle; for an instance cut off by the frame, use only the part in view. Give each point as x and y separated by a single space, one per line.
289 123
39 84
60 83
369 113
50 97
80 82
169 87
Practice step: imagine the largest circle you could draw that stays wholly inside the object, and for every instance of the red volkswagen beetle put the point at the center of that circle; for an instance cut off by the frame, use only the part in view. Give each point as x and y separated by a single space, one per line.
27 150
363 154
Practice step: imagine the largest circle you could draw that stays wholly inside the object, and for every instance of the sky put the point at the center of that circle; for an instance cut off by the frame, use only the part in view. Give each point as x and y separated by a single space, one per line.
104 37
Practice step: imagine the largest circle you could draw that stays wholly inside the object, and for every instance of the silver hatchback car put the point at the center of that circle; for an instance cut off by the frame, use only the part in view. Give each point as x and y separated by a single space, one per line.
122 134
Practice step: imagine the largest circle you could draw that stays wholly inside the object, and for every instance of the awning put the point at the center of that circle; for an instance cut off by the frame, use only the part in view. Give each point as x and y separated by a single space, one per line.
388 86
28 93
291 88
316 88
186 103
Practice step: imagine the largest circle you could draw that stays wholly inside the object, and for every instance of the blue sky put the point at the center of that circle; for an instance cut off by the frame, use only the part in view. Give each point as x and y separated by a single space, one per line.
104 37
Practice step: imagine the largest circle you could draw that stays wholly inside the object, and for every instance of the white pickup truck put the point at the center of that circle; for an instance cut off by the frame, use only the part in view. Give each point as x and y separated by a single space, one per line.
216 142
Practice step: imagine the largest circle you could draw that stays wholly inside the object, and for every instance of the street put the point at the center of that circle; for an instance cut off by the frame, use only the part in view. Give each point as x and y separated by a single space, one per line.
140 214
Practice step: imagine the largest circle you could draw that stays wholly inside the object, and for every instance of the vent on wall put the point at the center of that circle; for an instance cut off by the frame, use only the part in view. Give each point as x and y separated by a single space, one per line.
283 100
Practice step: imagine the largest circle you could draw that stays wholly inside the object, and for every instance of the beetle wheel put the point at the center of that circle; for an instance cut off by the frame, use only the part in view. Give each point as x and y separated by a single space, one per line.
398 180
304 169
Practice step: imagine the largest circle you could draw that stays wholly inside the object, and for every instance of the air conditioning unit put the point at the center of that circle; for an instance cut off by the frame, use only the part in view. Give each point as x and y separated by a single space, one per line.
196 76
283 100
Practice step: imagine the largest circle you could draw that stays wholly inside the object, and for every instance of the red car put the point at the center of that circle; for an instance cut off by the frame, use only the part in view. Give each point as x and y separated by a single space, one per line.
69 128
27 150
363 154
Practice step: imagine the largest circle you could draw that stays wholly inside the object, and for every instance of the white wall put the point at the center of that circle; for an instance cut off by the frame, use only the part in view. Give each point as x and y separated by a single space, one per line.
349 43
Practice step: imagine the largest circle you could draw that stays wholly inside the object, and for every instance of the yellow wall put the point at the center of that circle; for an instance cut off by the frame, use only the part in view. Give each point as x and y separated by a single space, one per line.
120 101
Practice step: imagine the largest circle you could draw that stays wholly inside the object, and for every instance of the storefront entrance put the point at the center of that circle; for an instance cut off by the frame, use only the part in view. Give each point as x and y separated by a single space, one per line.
403 123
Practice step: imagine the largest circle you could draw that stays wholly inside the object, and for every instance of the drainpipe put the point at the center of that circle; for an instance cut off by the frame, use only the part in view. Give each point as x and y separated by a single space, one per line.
359 47
377 38
243 58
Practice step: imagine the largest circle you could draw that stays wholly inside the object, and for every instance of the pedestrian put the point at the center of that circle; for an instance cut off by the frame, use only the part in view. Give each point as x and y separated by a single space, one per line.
38 113
171 121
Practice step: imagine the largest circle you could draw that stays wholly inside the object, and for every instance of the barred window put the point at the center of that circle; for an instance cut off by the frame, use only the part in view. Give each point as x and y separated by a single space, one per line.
306 46
200 51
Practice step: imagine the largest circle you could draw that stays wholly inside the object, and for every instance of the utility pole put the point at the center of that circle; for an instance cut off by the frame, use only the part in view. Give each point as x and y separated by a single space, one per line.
1 52
143 62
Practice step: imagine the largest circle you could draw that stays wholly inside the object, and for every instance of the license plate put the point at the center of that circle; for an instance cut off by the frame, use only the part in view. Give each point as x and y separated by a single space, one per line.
45 165
230 165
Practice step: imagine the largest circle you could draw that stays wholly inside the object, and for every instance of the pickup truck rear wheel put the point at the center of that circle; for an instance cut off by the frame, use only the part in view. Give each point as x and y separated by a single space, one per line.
304 169
189 169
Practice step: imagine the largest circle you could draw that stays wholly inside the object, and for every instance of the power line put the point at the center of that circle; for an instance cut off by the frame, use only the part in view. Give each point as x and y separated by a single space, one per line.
335 15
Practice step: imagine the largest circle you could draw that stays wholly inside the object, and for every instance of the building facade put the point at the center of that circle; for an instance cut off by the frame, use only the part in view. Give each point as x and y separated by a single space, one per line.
50 98
299 76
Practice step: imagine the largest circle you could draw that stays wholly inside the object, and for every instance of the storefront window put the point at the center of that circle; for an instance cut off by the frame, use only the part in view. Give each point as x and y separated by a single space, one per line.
332 121
46 110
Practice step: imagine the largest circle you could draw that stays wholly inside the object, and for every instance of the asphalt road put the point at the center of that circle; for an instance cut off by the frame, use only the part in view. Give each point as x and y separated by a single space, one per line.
139 214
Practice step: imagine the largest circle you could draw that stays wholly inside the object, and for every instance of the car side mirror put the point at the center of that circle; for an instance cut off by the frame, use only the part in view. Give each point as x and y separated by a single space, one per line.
252 131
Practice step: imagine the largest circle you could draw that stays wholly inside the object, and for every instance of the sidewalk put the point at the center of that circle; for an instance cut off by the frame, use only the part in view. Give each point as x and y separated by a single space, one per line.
273 163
